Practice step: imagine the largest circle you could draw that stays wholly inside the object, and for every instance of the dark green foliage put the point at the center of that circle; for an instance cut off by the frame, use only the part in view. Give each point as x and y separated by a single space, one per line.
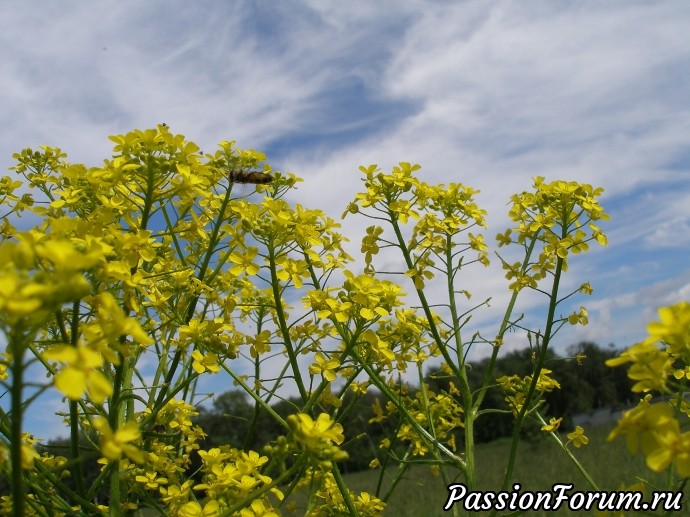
590 385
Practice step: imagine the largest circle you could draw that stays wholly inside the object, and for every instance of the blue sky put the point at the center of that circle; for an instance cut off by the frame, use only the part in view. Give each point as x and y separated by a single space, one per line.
490 94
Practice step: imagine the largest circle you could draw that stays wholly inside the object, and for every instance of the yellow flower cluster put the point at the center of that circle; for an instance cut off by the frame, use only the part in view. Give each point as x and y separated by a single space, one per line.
516 388
328 500
442 213
558 215
437 412
320 437
660 363
230 476
39 274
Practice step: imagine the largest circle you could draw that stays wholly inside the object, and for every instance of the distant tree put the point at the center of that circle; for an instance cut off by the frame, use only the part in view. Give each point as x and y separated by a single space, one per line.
229 420
591 385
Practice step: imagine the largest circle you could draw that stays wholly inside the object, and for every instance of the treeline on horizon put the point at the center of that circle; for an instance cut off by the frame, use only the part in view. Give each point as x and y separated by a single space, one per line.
233 419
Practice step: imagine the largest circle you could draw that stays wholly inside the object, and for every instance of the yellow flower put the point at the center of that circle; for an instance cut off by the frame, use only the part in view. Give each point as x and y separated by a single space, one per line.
546 383
359 388
258 508
552 210
369 505
378 413
25 295
673 329
682 455
578 438
151 480
292 270
504 238
260 344
174 494
245 262
380 348
335 309
115 323
580 317
114 444
553 425
194 509
80 372
28 455
327 367
205 363
655 429
666 441
315 433
370 242
4 365
327 398
650 366
66 258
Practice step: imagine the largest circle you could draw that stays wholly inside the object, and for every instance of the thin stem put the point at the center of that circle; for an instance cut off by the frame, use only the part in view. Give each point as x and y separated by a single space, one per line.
461 372
488 377
423 433
420 293
343 490
570 455
213 241
17 475
73 404
536 373
282 324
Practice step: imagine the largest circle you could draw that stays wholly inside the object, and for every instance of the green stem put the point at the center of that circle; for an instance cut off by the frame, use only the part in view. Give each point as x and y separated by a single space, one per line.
73 404
213 241
420 293
384 465
257 407
403 467
55 483
488 377
114 503
430 420
351 340
343 490
282 324
461 372
256 397
148 197
464 385
570 455
535 376
17 474
423 433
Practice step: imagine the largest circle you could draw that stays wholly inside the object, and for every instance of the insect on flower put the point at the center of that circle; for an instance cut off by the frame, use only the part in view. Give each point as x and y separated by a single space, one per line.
246 176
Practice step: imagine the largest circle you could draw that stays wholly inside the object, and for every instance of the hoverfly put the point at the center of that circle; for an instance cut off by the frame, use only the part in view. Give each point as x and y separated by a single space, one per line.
247 176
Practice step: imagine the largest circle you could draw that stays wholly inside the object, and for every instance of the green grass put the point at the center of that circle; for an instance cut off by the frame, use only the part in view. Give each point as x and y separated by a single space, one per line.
538 466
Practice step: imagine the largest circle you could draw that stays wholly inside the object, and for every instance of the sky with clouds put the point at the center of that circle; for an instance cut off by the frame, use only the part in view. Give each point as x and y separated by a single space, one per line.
490 94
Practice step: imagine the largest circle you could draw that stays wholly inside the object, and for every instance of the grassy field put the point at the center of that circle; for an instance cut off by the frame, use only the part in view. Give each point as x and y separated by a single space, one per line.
538 467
